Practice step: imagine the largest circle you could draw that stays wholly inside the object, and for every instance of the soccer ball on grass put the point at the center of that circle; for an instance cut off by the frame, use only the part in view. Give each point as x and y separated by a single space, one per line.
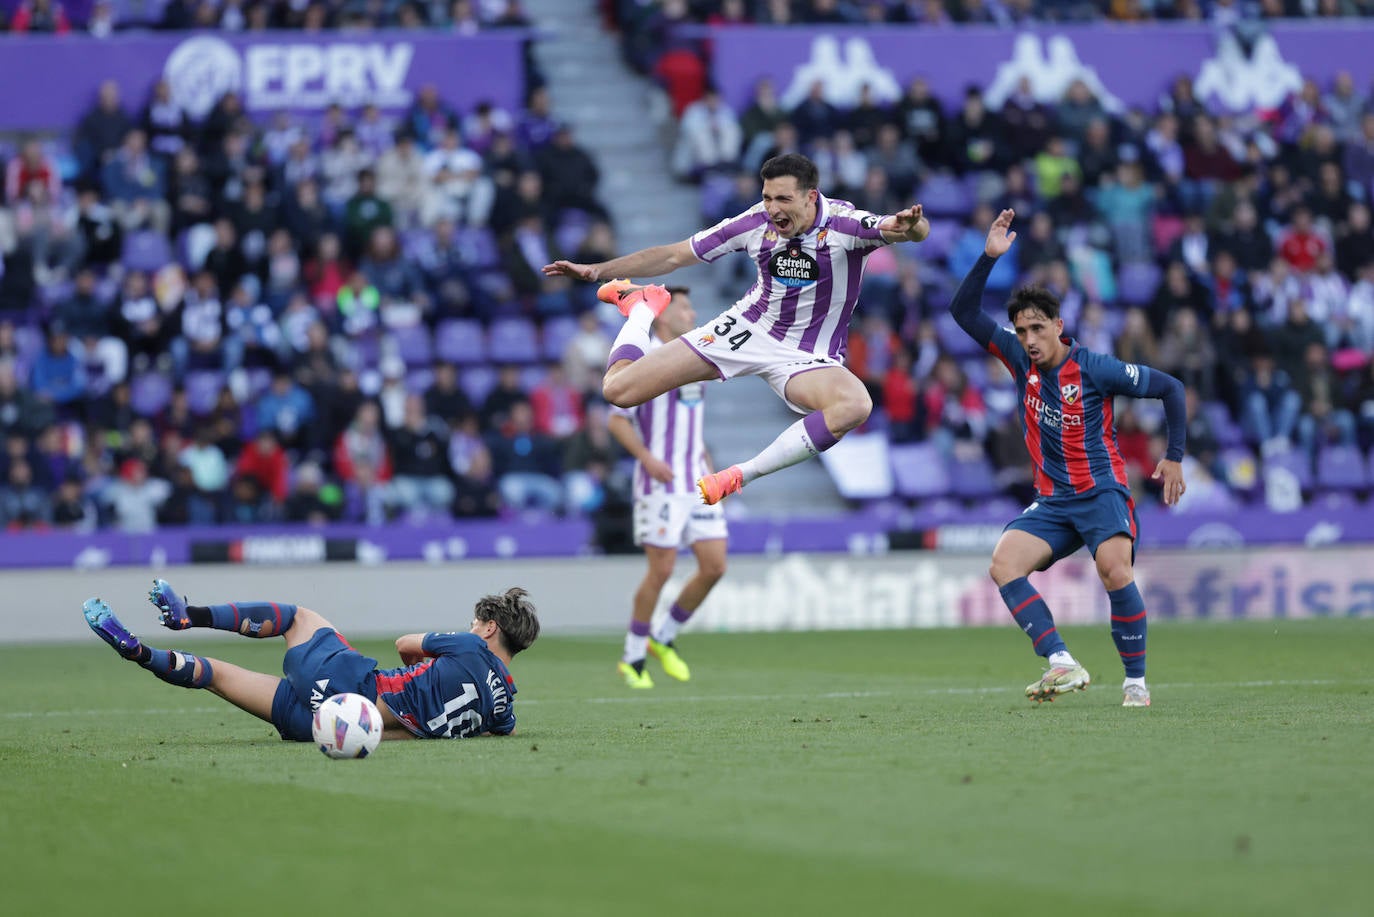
347 726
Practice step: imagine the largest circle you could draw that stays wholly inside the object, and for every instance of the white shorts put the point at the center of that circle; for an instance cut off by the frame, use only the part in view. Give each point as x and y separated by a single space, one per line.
676 520
736 346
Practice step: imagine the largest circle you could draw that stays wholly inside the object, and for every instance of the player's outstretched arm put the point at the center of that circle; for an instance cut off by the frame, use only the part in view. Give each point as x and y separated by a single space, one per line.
647 262
967 304
909 225
1169 471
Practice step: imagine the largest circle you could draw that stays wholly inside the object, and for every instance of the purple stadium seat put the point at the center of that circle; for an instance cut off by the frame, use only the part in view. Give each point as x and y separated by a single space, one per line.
716 190
461 341
943 195
1136 283
558 331
146 251
1241 470
1224 427
419 381
513 340
940 242
478 247
202 390
414 345
919 470
973 479
477 382
1292 462
149 393
953 339
1341 468
532 377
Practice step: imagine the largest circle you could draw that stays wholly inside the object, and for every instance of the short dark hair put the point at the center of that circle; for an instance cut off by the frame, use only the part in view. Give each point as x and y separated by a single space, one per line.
514 615
1034 299
795 165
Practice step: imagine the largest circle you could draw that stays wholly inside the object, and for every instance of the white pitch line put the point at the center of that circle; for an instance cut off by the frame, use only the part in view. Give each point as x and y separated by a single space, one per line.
743 698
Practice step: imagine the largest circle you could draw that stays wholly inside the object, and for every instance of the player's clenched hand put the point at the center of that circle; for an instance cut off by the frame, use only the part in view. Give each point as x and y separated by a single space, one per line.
1170 474
999 236
658 469
571 269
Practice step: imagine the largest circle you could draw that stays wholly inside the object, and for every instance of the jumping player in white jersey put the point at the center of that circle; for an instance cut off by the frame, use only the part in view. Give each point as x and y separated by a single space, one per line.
664 435
791 327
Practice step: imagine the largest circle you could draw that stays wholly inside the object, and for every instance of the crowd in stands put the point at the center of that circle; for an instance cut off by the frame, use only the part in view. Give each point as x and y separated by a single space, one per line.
341 318
1234 251
103 18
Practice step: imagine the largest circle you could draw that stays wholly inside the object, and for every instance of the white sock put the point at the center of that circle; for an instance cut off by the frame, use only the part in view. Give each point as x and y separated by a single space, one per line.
666 630
635 332
1062 658
636 648
1134 681
792 446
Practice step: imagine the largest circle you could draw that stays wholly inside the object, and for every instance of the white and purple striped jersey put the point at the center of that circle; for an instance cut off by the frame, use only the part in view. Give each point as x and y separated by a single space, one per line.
808 285
670 426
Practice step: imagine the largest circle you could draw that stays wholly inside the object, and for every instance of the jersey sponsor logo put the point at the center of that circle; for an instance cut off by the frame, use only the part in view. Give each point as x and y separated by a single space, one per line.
1032 379
1052 417
1133 373
1069 393
770 235
870 221
794 267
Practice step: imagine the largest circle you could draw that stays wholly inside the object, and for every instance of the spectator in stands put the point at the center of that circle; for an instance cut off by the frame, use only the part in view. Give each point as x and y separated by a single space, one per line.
469 459
403 178
31 165
327 272
165 124
72 508
420 487
101 235
395 277
136 185
536 124
709 138
1362 402
287 410
58 376
364 212
429 117
309 501
209 477
265 462
1137 343
763 114
22 412
527 464
460 193
1187 354
341 166
23 504
954 410
1246 239
101 131
1357 160
969 247
445 401
40 16
1355 240
1126 205
570 175
1270 407
134 497
1290 340
1355 323
189 192
1228 288
975 136
1325 418
556 405
901 399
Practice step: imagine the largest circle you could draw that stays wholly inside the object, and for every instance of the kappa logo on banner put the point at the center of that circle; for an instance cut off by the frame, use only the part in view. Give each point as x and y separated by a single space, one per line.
273 75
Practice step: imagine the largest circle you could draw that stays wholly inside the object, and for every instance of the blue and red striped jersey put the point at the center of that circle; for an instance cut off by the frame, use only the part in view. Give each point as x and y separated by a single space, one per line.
461 690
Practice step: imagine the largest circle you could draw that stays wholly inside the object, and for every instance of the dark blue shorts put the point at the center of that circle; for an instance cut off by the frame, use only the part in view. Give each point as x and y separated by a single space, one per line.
321 666
1069 523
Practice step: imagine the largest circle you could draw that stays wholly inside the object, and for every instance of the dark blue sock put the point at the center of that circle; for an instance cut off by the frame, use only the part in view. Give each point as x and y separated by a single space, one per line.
176 668
1033 616
252 619
1128 628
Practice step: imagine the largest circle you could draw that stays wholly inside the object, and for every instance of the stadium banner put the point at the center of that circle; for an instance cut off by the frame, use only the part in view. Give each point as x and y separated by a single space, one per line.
860 534
1128 66
274 71
760 593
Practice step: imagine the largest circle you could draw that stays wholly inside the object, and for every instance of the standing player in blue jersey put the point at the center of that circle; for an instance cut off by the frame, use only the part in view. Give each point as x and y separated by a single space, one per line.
1084 497
665 437
791 327
451 685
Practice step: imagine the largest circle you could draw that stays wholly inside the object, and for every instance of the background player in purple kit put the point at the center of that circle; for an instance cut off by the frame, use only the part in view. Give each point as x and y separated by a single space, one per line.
1083 493
790 328
451 686
664 435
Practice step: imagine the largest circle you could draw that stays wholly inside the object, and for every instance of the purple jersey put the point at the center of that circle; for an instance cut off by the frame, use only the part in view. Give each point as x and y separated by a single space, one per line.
808 285
463 690
670 426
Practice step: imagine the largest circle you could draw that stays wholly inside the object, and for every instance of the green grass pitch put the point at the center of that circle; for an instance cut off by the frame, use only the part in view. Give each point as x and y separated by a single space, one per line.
825 773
